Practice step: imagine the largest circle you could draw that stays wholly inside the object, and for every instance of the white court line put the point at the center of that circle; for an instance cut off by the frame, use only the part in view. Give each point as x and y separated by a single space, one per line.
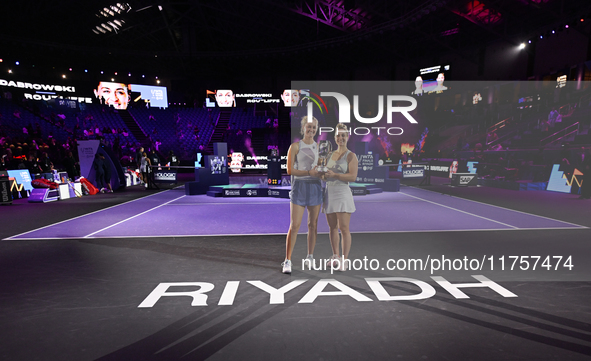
84 215
225 204
283 234
507 209
402 231
455 209
132 217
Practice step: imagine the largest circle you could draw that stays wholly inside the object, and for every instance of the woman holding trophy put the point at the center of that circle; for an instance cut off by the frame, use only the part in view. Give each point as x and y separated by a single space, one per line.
338 199
306 190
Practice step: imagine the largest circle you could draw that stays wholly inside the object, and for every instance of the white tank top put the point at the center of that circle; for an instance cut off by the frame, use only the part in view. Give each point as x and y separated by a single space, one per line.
306 159
340 166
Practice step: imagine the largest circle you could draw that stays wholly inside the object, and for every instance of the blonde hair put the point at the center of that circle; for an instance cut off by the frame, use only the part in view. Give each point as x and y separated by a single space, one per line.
304 121
341 127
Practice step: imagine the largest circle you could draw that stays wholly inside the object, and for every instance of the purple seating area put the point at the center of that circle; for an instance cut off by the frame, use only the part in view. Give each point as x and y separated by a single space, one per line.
15 118
103 117
175 128
243 118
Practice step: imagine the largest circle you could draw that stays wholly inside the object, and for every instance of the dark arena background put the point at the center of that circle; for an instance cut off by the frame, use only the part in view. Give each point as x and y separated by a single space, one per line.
469 121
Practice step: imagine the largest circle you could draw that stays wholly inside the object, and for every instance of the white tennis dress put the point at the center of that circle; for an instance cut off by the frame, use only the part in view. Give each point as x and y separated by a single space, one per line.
337 195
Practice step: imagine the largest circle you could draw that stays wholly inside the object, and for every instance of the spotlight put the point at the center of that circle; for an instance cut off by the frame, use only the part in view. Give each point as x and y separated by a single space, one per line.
18 63
529 41
128 74
86 70
521 46
541 36
553 32
143 76
102 72
64 76
9 71
157 81
112 79
566 26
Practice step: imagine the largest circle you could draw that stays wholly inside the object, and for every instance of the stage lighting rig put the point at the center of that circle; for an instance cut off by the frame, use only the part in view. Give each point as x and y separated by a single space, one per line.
113 10
111 22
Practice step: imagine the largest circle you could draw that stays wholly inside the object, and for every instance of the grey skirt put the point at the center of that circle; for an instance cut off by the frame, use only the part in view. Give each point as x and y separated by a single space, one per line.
306 192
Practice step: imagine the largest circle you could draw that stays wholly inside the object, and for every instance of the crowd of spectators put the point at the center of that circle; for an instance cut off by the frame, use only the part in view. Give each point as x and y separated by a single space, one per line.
41 154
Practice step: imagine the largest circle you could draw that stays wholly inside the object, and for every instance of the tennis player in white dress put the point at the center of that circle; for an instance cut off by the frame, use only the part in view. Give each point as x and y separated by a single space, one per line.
338 199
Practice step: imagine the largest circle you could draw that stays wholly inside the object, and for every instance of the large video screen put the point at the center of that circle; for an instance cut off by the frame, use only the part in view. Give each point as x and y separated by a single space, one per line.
121 95
430 80
229 98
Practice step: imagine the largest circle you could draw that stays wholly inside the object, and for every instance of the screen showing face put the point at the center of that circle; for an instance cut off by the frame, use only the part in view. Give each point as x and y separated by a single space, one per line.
430 80
119 95
290 97
225 98
113 94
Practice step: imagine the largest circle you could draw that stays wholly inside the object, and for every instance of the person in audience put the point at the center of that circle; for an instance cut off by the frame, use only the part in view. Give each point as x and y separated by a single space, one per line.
70 165
107 172
544 125
145 168
45 163
552 117
99 169
558 119
138 156
33 165
173 160
154 158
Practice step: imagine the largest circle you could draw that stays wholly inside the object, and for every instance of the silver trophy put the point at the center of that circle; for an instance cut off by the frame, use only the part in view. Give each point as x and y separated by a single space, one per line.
324 149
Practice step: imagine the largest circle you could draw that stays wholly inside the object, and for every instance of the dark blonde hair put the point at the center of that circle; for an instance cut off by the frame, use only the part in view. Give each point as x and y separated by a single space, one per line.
341 127
304 121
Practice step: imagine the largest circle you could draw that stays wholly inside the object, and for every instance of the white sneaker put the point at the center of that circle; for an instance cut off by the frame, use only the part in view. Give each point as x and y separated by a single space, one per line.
343 265
309 262
331 261
286 266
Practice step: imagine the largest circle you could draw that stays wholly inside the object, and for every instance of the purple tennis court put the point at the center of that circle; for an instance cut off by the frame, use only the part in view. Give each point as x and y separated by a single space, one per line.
172 214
